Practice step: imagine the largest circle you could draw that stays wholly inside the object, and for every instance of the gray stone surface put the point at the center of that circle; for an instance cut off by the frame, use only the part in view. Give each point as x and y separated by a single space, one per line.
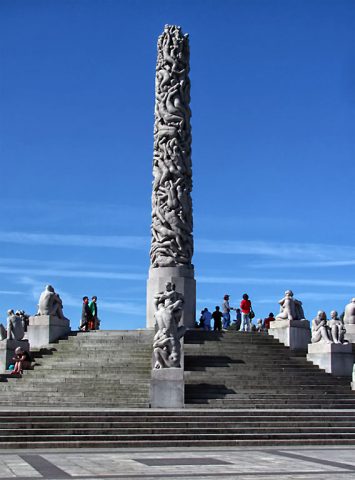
7 351
242 463
295 334
172 242
167 388
334 358
45 329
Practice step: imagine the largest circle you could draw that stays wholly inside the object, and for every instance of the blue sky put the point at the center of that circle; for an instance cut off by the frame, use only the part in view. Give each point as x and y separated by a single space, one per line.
273 118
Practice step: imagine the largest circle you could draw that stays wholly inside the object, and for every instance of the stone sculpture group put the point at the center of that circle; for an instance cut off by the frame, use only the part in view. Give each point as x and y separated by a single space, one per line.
166 346
172 242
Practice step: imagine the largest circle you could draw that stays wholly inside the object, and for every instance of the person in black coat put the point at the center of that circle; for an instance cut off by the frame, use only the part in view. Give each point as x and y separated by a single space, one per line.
86 315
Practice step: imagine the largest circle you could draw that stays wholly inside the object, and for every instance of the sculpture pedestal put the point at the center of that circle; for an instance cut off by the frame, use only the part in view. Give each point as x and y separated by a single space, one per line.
353 382
7 352
295 334
167 388
45 329
183 277
350 333
335 358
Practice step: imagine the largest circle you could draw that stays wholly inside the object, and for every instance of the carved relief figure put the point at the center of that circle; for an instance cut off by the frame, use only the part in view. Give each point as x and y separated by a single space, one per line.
168 305
290 308
172 242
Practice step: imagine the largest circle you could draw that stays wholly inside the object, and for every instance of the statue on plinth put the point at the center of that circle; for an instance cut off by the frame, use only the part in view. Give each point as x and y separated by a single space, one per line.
15 328
166 346
50 303
320 329
337 328
290 308
349 314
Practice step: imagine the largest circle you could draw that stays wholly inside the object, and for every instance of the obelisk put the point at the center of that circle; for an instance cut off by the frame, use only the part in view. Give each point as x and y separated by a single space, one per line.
172 242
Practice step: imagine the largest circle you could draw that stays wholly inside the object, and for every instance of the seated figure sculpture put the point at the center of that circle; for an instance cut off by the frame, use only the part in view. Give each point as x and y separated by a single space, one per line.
15 328
290 308
166 346
50 303
337 328
349 314
320 329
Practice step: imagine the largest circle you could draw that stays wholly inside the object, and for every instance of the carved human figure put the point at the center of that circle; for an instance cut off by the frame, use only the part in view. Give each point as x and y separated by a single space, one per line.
166 351
349 314
50 303
172 242
290 308
337 328
320 329
15 328
168 311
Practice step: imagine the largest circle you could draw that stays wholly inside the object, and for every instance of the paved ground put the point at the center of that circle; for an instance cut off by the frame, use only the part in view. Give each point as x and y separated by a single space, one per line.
307 463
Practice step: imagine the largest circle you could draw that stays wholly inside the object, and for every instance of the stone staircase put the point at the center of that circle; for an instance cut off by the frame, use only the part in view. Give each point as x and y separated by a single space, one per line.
92 390
253 370
88 370
184 428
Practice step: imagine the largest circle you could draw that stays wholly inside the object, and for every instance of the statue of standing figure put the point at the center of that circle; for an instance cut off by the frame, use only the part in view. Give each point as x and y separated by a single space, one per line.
290 308
50 303
349 314
15 327
166 346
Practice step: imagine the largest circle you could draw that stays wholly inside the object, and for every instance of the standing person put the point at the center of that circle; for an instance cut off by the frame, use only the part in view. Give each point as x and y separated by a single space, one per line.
86 316
206 316
245 306
268 320
238 318
217 317
226 312
93 308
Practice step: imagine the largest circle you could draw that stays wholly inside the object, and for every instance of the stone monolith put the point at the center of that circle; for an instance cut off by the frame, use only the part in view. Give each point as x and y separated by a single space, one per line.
172 242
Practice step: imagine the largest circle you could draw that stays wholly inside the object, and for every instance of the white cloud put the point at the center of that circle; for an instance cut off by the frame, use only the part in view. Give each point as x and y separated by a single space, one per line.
284 282
49 273
97 241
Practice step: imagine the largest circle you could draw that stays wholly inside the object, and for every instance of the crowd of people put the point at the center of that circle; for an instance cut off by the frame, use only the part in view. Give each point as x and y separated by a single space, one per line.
243 320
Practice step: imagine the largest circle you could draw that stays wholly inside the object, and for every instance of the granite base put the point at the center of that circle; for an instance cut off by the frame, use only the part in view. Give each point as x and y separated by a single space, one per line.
335 358
183 277
295 334
167 388
45 329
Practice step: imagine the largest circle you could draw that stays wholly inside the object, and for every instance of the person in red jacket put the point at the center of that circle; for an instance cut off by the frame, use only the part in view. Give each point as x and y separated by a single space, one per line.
245 306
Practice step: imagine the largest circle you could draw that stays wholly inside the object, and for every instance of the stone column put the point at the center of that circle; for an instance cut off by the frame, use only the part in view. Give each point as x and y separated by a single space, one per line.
172 242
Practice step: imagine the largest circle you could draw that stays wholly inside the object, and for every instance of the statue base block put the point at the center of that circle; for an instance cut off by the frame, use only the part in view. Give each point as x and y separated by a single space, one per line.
45 329
335 358
183 277
167 388
350 333
7 352
295 334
